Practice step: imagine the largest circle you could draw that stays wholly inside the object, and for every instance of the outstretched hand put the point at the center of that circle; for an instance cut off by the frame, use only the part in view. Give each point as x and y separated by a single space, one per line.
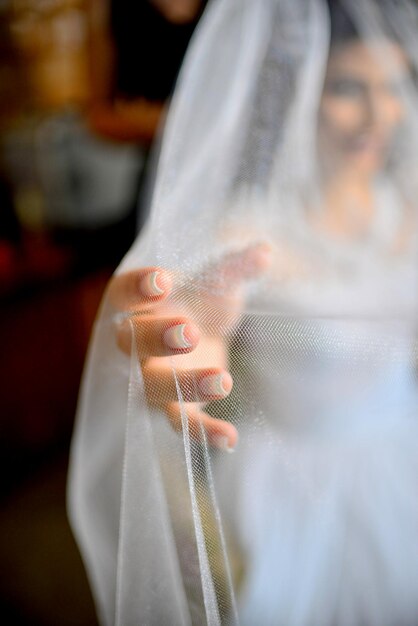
166 336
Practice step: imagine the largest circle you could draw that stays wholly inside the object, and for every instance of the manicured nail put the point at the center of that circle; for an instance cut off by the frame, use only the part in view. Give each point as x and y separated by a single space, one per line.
150 286
222 443
215 385
177 337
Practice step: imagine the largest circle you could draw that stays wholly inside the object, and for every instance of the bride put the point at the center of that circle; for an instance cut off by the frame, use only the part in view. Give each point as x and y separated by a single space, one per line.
269 309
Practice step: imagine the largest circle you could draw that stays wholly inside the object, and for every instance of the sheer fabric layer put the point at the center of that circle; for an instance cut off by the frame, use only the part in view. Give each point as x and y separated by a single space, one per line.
313 521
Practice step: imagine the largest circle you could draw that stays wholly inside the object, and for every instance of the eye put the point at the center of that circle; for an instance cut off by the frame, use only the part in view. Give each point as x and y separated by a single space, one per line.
345 88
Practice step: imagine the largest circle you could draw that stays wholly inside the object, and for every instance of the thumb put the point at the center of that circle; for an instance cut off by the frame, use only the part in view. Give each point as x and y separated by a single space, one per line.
226 277
221 287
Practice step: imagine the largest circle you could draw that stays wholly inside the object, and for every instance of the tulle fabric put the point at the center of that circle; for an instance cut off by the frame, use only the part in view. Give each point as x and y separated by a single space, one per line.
313 520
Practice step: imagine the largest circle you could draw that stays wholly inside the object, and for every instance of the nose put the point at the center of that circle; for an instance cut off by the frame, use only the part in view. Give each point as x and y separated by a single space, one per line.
382 109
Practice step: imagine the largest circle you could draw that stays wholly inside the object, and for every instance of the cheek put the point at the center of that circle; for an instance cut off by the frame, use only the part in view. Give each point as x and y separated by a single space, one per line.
395 112
341 117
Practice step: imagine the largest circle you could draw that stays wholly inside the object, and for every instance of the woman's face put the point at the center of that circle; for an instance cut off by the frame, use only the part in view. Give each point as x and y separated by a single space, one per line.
361 106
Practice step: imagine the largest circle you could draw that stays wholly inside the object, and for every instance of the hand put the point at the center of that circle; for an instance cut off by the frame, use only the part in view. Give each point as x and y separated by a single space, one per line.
166 337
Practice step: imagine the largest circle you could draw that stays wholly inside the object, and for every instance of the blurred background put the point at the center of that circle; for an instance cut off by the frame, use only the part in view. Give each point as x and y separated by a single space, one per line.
83 89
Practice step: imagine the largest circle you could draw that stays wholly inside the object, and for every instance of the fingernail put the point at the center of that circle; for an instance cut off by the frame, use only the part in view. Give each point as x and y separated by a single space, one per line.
215 385
177 337
150 285
222 443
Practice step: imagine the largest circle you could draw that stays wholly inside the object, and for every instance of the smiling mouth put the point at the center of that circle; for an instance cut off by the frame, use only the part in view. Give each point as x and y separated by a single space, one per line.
368 143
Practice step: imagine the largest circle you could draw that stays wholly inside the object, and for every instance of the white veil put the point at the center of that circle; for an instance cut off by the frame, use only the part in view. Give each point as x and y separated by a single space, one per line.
313 520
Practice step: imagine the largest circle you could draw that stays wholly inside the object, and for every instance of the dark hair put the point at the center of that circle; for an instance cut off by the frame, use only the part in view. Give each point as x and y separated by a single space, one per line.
343 28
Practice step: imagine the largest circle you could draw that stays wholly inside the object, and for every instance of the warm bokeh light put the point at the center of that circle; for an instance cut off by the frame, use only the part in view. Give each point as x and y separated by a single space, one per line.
73 149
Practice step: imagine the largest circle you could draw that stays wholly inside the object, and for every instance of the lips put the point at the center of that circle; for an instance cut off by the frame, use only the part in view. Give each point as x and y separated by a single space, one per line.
368 143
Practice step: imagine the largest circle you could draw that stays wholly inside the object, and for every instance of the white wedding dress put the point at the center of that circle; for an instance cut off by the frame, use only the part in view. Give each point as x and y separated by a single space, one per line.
321 490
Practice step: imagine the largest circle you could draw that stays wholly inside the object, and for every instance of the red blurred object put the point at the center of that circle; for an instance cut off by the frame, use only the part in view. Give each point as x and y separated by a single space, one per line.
34 262
7 261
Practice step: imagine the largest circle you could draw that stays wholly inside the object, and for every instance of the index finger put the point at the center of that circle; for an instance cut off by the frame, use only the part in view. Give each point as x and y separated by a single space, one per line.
139 288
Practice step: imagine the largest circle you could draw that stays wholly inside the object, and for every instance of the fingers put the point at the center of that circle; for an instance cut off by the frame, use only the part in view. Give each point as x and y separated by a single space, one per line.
147 286
220 434
139 289
198 385
158 336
